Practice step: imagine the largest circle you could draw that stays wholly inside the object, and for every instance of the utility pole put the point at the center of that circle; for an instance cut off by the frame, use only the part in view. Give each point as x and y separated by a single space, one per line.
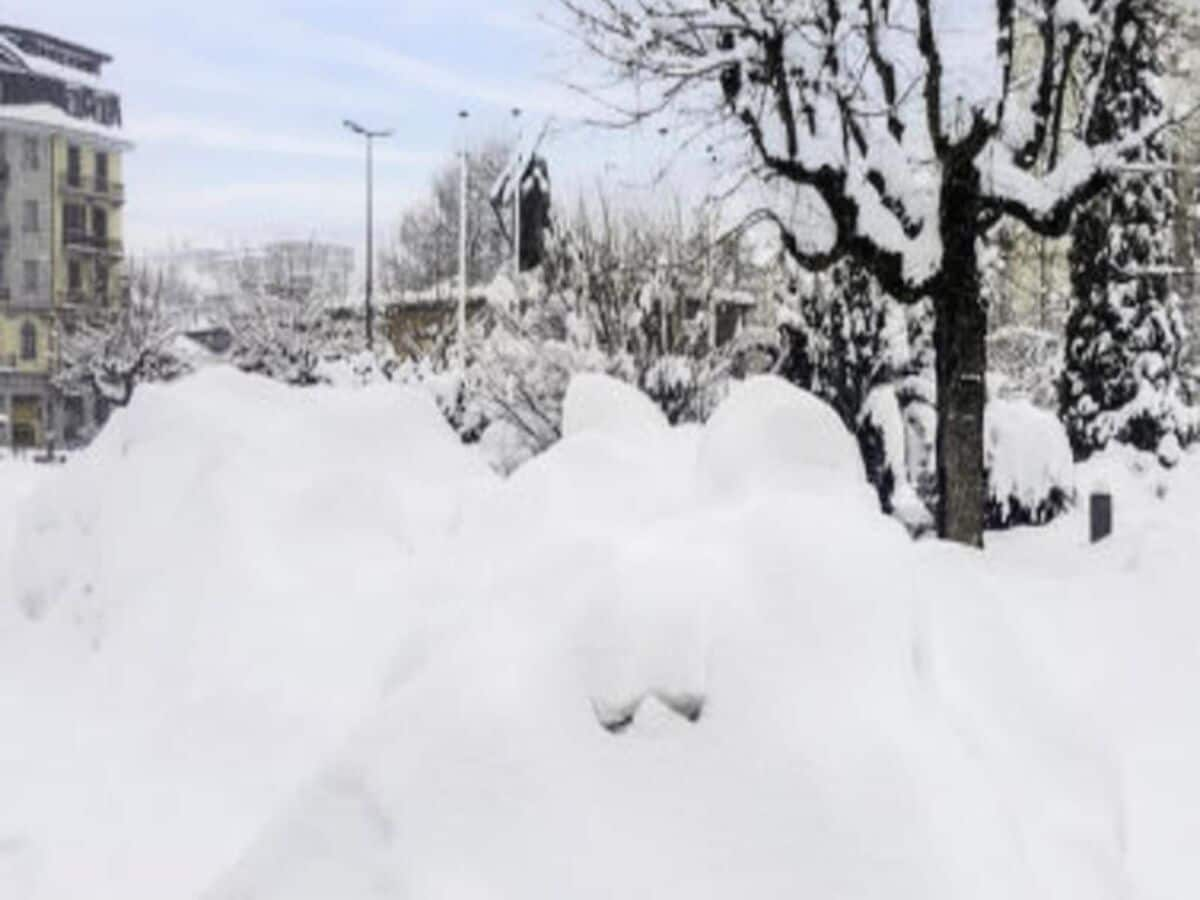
370 138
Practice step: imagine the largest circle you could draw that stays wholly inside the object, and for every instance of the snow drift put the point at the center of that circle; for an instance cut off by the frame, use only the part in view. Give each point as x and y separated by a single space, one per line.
332 657
209 598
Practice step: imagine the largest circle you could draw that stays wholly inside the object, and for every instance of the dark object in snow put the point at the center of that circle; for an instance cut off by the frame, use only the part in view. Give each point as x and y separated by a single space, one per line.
1101 514
617 720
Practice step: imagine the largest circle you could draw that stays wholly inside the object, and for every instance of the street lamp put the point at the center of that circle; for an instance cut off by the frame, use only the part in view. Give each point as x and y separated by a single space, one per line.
370 138
462 250
518 172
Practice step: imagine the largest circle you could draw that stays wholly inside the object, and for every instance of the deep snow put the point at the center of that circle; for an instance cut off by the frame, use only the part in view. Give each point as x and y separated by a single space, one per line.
272 643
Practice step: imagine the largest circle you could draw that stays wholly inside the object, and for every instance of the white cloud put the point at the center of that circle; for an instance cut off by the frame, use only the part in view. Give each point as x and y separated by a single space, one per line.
225 136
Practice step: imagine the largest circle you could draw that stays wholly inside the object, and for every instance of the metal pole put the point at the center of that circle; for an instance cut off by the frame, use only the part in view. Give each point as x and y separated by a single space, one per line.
517 173
369 135
517 216
462 254
370 239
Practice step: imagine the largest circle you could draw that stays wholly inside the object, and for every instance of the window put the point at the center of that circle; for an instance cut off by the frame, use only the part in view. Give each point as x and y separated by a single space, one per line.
101 170
32 220
74 276
74 170
102 281
33 153
31 275
28 341
72 222
99 222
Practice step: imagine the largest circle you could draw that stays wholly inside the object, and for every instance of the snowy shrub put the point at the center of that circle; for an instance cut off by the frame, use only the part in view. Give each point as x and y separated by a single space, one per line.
844 338
609 300
599 403
768 435
1030 468
866 356
110 352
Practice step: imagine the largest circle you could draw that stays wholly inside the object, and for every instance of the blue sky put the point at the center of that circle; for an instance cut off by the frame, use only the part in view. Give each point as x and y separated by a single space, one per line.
236 105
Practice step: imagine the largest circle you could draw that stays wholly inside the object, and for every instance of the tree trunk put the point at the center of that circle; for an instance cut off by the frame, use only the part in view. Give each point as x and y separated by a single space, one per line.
960 340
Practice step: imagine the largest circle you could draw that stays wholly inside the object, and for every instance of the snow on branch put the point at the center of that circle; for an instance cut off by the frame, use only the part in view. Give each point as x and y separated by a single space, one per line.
878 109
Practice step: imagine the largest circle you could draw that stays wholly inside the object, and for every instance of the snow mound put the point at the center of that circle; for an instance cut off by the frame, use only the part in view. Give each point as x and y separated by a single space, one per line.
1031 471
769 435
209 597
597 402
332 656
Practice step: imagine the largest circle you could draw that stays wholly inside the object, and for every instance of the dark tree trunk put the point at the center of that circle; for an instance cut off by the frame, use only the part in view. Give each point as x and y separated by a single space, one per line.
961 343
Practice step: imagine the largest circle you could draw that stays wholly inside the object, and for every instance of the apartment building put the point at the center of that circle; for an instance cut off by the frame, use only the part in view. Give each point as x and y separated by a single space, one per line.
61 203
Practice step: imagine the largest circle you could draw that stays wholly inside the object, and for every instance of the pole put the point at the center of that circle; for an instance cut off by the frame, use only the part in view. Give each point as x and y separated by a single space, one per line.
370 136
517 173
517 216
370 239
462 255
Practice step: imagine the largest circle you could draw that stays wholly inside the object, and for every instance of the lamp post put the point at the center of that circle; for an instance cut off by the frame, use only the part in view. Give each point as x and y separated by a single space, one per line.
518 172
462 250
370 137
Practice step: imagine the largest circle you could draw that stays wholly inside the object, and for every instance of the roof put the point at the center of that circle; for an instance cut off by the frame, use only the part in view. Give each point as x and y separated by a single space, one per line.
26 36
48 116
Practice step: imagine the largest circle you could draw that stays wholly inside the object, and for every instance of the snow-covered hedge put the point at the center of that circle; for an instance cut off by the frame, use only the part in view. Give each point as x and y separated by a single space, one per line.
1030 469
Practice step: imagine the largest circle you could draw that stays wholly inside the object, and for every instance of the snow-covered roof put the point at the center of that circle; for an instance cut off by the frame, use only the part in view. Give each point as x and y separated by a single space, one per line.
48 46
69 74
42 57
46 115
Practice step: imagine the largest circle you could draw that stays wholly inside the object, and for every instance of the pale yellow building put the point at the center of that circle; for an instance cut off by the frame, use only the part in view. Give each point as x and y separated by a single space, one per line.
62 198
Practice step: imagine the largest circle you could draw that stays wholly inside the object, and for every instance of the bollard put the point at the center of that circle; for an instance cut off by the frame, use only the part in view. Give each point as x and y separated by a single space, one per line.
1101 509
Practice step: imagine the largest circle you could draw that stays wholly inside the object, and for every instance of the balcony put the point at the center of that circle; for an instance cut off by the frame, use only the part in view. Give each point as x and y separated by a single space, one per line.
75 238
93 188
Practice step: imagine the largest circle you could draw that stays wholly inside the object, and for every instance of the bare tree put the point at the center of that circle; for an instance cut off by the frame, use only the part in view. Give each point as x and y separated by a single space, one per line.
895 134
424 248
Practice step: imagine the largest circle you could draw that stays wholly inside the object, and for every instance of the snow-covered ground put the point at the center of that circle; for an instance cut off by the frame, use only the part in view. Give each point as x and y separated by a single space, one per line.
260 642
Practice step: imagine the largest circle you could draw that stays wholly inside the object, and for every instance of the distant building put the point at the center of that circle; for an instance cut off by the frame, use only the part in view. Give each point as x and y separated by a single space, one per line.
296 270
61 201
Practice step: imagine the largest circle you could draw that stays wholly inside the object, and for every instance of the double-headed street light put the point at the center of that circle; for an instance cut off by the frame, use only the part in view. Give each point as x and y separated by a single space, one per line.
370 137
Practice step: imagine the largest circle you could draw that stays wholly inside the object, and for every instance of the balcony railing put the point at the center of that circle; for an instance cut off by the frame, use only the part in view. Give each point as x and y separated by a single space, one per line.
79 238
92 186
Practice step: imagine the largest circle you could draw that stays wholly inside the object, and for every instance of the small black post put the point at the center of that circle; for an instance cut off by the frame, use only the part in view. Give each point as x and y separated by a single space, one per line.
1101 509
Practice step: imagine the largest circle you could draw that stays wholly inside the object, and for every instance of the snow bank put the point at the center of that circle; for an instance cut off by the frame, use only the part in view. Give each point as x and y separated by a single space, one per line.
797 723
333 657
210 595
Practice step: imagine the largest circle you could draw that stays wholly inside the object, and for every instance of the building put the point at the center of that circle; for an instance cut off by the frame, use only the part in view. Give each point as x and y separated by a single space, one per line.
61 202
300 270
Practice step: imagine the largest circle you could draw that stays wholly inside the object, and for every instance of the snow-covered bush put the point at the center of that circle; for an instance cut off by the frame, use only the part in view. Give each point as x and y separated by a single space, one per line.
620 298
768 435
110 352
1030 468
862 352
